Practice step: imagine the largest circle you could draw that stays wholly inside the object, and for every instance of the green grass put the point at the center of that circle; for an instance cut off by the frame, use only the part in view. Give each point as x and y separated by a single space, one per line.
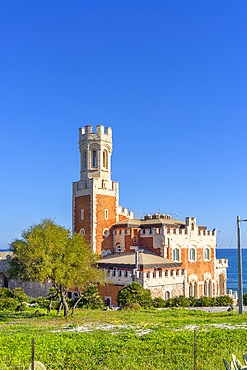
167 343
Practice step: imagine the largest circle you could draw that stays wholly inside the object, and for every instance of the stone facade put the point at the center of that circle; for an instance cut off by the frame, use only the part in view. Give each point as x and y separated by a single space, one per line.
31 288
112 230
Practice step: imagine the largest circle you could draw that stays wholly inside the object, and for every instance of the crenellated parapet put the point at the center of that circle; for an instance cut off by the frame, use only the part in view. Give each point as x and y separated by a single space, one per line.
125 212
87 134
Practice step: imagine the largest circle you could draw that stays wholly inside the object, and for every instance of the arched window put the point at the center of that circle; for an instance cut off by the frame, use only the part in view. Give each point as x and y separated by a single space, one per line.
206 254
84 159
105 159
94 158
192 255
175 254
167 295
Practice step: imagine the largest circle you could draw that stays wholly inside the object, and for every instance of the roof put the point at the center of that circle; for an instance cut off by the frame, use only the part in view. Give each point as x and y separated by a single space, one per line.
146 260
149 223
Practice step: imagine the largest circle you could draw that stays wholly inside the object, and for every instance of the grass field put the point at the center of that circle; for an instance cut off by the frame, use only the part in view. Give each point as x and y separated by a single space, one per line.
149 339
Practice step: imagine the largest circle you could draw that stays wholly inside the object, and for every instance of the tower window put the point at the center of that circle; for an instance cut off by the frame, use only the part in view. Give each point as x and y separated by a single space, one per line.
82 232
82 214
206 254
175 254
94 158
84 159
192 254
105 159
106 214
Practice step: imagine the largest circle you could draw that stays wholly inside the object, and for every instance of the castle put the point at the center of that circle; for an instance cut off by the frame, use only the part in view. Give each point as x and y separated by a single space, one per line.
168 256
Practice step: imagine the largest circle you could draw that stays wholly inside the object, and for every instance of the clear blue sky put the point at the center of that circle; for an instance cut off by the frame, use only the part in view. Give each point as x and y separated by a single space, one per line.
170 78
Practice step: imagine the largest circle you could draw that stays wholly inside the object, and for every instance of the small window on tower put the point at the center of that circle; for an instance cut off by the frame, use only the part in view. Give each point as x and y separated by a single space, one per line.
106 214
82 232
105 159
82 214
94 158
84 159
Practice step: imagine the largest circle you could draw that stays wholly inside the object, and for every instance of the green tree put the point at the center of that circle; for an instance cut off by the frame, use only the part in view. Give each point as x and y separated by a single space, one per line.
134 293
48 252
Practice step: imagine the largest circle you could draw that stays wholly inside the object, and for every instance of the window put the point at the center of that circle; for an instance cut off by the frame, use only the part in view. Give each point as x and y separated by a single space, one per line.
160 273
105 159
82 214
119 273
106 233
192 255
82 232
206 254
94 158
150 231
175 254
148 274
114 271
84 159
106 214
167 295
126 273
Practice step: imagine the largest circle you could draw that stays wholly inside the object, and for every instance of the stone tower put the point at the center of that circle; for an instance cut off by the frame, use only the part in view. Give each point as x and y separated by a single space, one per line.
95 195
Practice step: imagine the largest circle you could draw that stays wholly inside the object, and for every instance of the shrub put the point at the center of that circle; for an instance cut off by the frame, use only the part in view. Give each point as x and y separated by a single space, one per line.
134 293
8 303
42 302
159 302
132 306
91 298
20 296
245 299
6 293
224 300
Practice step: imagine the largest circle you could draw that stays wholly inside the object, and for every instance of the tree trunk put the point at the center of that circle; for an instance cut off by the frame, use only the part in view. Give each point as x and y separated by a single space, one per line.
76 303
59 307
65 304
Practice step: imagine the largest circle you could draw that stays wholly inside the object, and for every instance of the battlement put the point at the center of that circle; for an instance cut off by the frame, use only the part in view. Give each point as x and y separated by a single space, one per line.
86 133
125 212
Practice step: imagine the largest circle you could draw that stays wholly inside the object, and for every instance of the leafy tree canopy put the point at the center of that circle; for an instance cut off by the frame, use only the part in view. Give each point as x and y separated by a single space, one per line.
49 252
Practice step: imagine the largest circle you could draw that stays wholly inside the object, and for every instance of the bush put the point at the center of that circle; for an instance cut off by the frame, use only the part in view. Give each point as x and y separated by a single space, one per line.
132 306
8 304
134 293
224 300
42 302
6 293
91 298
159 302
245 299
20 296
12 299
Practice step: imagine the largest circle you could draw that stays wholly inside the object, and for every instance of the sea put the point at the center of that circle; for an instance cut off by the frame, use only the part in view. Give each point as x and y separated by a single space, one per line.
232 271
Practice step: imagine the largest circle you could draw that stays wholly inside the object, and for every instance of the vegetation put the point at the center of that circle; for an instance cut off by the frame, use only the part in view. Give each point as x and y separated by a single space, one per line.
147 339
182 301
134 293
49 252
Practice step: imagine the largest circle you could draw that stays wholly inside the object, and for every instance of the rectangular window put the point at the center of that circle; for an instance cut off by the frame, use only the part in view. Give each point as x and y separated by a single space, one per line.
82 214
126 273
106 214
